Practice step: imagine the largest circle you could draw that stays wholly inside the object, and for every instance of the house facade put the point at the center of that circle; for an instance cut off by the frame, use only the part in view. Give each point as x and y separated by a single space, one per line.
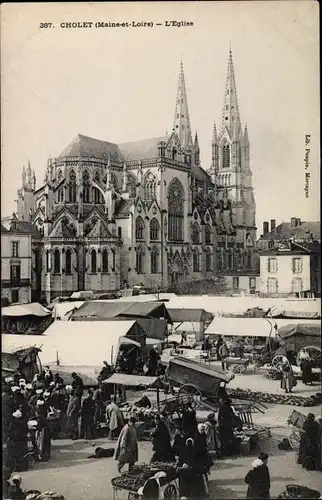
16 267
118 215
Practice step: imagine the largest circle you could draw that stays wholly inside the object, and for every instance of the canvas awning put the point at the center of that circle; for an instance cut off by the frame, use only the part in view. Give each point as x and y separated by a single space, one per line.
292 330
97 309
80 343
186 326
131 380
289 314
33 309
247 327
190 315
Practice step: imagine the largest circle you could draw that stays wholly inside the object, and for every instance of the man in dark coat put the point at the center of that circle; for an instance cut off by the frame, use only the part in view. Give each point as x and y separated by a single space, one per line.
219 343
7 409
306 367
309 452
153 361
47 377
87 416
258 479
225 428
77 384
17 446
72 414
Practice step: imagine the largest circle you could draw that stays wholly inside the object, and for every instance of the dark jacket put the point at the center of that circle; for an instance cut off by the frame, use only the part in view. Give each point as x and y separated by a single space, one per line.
15 493
258 481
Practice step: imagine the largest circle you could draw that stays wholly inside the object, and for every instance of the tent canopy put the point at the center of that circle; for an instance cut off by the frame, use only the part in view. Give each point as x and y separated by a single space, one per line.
186 326
102 310
131 380
76 343
247 327
292 330
33 309
190 315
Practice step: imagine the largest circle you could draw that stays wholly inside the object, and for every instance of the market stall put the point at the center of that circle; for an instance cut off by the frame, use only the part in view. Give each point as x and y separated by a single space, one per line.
31 319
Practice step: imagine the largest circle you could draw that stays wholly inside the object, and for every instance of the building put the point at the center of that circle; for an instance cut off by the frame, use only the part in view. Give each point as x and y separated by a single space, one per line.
290 259
116 215
16 266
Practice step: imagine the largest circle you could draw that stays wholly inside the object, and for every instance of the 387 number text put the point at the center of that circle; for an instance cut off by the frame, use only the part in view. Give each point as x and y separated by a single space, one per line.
45 25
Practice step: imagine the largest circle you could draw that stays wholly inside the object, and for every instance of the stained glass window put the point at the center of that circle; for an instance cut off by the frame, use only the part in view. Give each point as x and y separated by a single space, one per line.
175 211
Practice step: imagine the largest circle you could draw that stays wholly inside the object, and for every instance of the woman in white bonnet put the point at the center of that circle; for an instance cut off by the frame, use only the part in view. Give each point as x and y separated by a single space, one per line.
17 447
258 479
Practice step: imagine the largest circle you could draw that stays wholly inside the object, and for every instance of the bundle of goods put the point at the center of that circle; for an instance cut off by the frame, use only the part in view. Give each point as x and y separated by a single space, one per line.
139 475
284 399
141 414
295 491
47 495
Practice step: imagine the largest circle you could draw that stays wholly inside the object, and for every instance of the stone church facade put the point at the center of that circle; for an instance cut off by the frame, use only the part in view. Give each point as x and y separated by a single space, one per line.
116 215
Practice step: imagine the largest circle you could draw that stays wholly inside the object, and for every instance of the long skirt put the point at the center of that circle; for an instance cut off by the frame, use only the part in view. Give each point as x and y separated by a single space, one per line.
192 484
16 455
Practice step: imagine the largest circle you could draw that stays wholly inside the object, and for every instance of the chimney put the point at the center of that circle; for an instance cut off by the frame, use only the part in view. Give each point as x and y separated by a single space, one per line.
293 222
265 228
273 224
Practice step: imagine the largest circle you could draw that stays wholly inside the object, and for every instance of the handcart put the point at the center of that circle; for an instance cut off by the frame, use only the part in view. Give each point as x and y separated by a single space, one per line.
200 387
296 421
237 365
157 480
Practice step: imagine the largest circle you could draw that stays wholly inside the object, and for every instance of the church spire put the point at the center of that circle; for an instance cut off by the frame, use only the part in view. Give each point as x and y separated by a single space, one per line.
23 176
230 113
214 135
181 118
29 176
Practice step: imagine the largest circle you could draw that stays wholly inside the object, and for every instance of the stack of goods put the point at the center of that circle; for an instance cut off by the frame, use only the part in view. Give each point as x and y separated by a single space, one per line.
141 414
266 397
139 475
47 495
295 491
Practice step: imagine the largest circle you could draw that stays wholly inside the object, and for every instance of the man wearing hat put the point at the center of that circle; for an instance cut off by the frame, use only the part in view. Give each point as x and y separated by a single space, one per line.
258 479
153 361
7 408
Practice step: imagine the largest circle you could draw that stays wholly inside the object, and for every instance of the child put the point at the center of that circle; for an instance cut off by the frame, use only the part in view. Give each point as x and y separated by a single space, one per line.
15 492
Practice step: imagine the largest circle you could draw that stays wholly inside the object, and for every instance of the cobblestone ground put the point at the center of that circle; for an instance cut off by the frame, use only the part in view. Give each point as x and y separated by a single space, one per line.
71 473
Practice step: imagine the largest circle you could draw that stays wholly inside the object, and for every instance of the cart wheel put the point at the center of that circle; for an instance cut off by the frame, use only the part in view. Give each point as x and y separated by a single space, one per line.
189 395
236 368
278 360
294 440
314 353
170 493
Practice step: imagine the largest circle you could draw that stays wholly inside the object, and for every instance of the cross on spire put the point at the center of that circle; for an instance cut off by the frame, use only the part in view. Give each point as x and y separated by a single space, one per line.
181 117
230 113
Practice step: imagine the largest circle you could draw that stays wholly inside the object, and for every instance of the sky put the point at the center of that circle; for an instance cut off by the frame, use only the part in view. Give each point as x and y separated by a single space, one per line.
119 85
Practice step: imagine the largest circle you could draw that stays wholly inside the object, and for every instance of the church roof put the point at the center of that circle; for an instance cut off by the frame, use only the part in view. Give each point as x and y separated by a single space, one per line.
3 229
122 207
139 150
92 148
99 230
200 174
61 231
303 231
25 227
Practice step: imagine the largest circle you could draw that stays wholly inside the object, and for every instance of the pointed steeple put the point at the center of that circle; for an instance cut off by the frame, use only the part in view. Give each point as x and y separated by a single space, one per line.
29 176
196 150
181 118
246 140
230 113
23 176
214 135
108 174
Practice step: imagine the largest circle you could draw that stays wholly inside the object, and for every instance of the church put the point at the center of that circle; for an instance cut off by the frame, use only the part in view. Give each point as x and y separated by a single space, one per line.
111 216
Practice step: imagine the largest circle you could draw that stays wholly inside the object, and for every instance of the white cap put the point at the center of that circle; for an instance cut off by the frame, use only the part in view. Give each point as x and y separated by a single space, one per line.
46 394
8 379
17 478
29 386
17 414
15 388
155 346
39 391
40 402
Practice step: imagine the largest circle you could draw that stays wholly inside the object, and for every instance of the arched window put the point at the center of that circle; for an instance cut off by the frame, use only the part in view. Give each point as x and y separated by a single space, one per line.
85 187
139 229
72 187
174 153
230 263
154 260
219 259
47 261
60 176
154 230
249 260
226 156
57 261
208 261
97 176
175 211
196 261
68 261
131 185
97 196
105 261
207 234
93 261
150 187
113 260
60 195
139 260
195 233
